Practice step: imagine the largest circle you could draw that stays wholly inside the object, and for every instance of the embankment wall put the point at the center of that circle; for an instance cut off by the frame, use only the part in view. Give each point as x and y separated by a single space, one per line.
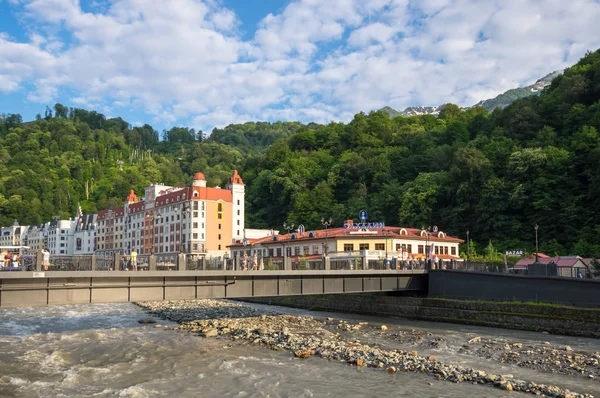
503 287
553 319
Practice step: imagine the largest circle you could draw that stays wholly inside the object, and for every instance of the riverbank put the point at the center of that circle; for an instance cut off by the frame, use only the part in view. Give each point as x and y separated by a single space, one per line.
361 344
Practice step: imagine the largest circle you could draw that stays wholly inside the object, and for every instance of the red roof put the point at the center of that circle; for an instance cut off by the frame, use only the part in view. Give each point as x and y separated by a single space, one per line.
199 176
235 178
560 261
132 198
391 232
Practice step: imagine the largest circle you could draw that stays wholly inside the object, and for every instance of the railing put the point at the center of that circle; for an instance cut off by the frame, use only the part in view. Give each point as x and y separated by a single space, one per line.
194 262
70 263
23 263
531 270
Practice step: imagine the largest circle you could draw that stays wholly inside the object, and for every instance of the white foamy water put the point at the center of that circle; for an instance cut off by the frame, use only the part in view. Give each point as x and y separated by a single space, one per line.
102 351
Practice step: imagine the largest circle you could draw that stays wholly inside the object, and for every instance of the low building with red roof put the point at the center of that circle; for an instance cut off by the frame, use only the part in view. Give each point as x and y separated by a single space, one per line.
373 242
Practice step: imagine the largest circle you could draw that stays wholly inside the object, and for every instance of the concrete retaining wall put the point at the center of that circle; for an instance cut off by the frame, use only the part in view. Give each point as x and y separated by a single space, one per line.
491 286
542 318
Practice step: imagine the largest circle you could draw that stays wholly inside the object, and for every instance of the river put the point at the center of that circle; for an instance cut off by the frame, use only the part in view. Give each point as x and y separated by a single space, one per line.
102 351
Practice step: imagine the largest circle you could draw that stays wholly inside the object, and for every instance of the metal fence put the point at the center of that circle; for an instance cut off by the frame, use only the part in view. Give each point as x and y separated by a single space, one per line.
23 263
350 263
70 263
539 269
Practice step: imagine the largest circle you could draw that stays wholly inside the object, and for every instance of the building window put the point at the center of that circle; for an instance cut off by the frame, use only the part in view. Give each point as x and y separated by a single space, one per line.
305 250
453 250
445 249
195 214
195 246
195 208
202 236
219 236
409 250
279 252
363 246
219 226
220 216
297 251
270 252
316 249
238 231
238 212
195 236
379 246
437 250
348 247
220 207
238 202
219 247
420 249
195 225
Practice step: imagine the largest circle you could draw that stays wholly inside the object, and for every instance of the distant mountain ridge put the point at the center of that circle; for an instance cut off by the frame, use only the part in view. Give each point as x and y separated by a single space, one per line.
500 101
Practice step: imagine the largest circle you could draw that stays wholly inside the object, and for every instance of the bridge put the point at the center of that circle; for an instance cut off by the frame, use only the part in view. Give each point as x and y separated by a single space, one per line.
37 288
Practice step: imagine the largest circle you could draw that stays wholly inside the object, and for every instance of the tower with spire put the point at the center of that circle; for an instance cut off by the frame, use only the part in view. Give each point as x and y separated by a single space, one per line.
238 193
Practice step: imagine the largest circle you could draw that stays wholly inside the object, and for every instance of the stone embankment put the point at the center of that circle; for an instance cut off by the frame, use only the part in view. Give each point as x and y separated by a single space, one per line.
555 319
328 338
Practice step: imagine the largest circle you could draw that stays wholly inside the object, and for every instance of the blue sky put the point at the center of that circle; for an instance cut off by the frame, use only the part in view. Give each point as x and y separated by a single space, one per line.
207 63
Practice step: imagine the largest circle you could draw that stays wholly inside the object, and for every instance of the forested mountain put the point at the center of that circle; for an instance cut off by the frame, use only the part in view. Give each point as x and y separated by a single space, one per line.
496 174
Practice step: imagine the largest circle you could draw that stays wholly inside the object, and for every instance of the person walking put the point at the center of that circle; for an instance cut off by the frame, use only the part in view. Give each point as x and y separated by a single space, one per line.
123 263
134 260
45 258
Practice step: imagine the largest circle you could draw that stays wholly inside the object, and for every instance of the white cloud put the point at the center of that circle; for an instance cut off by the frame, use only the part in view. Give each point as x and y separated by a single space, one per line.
185 61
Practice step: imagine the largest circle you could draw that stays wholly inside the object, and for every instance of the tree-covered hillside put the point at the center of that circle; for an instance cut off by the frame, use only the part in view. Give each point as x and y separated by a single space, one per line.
495 174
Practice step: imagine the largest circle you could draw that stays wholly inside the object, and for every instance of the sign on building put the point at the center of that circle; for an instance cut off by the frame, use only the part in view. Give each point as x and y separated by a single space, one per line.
515 252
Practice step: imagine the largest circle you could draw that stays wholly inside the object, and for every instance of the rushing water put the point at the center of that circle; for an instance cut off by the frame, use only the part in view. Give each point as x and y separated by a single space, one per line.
102 351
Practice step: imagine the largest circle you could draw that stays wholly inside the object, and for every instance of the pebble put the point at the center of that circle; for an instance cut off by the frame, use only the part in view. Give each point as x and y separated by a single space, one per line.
304 337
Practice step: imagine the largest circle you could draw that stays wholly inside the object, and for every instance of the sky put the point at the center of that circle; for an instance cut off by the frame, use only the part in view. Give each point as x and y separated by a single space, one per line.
210 63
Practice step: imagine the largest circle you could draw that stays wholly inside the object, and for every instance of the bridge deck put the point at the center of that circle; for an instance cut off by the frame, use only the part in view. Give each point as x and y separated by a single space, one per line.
80 287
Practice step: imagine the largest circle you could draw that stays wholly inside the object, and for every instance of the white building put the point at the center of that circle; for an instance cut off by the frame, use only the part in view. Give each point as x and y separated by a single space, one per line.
60 237
84 237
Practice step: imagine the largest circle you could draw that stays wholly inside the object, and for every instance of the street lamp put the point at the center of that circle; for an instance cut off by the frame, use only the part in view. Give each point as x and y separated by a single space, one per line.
536 244
287 227
427 248
468 249
326 223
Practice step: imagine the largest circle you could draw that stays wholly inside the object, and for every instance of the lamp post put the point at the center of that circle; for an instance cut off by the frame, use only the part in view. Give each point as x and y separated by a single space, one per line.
427 248
287 227
536 244
326 223
468 249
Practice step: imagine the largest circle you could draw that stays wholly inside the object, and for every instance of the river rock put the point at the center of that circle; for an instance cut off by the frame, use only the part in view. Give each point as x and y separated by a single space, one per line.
210 332
302 353
392 369
146 320
384 328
